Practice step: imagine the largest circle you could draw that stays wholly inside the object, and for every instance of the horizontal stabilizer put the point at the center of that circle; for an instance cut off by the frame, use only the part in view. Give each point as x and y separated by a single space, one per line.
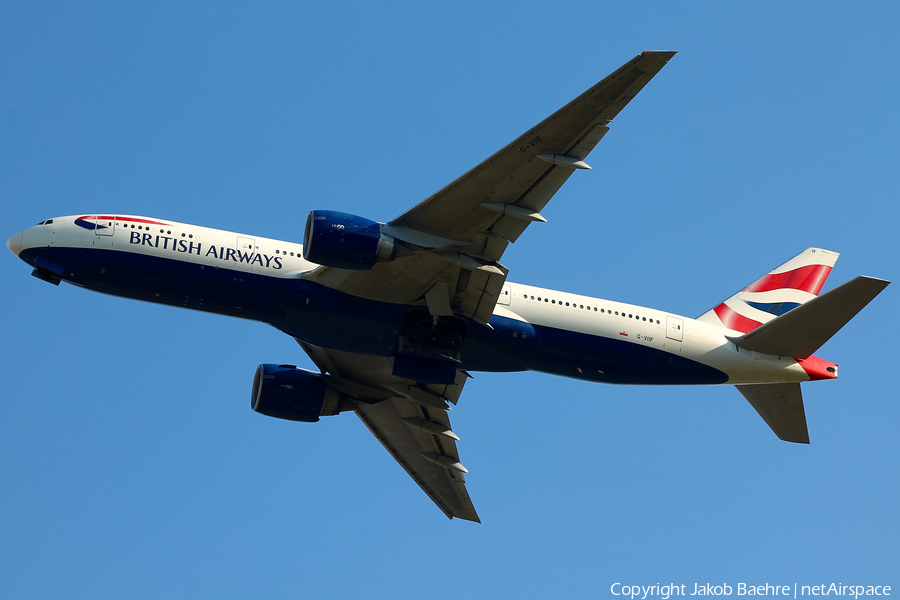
801 331
781 407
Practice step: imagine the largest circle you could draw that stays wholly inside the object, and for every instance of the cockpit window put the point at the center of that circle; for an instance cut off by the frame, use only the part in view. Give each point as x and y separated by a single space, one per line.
47 222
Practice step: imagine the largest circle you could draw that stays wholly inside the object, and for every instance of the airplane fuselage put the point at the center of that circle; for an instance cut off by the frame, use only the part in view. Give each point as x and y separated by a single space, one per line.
262 279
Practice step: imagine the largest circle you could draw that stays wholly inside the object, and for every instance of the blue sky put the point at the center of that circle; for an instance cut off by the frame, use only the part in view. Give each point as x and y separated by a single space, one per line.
132 465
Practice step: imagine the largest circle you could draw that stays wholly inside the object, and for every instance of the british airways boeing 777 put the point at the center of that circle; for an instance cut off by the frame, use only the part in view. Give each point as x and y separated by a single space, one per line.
396 315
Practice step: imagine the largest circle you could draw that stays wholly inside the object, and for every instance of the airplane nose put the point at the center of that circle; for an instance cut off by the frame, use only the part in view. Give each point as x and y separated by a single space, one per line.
14 243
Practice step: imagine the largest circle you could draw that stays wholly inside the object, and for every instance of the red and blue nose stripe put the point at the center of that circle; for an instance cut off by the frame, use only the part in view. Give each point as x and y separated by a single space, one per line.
92 222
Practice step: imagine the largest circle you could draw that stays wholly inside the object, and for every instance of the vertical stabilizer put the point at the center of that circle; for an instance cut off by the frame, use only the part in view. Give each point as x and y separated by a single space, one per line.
797 281
803 330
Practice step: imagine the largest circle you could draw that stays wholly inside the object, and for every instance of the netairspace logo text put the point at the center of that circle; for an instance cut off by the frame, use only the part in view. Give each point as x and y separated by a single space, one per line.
664 592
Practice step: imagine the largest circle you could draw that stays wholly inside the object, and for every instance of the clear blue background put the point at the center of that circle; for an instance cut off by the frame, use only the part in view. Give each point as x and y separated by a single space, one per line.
131 465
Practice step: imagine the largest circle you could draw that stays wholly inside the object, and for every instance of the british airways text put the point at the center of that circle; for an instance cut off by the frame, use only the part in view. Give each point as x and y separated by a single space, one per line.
191 247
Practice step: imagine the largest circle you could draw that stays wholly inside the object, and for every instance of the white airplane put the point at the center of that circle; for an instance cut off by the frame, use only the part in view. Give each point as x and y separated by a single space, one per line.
396 315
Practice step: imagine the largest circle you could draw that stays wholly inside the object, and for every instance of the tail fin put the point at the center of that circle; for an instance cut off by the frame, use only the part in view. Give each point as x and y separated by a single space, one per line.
796 282
798 334
782 314
802 331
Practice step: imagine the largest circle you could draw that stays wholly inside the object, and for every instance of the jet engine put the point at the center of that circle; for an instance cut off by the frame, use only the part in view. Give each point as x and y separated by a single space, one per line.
345 241
286 392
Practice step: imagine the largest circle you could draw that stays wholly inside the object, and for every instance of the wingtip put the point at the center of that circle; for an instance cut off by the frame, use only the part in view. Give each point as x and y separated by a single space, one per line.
657 58
471 519
878 279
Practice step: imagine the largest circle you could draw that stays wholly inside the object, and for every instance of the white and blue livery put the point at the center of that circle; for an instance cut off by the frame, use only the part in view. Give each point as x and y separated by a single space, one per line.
396 315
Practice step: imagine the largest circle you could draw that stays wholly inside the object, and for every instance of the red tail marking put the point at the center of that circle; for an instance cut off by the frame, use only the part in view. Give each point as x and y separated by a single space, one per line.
734 320
808 279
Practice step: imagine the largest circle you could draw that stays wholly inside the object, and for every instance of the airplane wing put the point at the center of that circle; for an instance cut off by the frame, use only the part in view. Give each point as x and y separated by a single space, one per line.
459 234
455 240
409 420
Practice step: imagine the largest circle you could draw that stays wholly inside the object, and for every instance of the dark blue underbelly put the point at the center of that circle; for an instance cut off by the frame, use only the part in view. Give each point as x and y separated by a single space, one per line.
332 319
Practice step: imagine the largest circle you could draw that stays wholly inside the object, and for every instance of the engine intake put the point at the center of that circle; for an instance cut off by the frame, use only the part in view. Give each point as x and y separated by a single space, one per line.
286 392
345 241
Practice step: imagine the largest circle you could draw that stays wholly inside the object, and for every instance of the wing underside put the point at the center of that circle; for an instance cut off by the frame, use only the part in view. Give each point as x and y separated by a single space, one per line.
394 422
409 419
459 234
453 243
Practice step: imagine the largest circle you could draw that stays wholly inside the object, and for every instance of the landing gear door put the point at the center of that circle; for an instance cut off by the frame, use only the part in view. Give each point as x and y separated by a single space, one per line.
505 295
674 329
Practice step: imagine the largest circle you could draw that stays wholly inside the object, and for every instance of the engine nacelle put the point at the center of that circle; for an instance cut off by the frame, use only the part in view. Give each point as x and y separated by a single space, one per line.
345 241
286 392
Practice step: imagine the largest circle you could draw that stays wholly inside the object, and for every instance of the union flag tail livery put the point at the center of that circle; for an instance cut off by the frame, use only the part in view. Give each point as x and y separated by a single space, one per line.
796 282
397 315
781 314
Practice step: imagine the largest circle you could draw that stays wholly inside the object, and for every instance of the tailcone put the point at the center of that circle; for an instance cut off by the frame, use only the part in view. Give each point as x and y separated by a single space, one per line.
817 368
